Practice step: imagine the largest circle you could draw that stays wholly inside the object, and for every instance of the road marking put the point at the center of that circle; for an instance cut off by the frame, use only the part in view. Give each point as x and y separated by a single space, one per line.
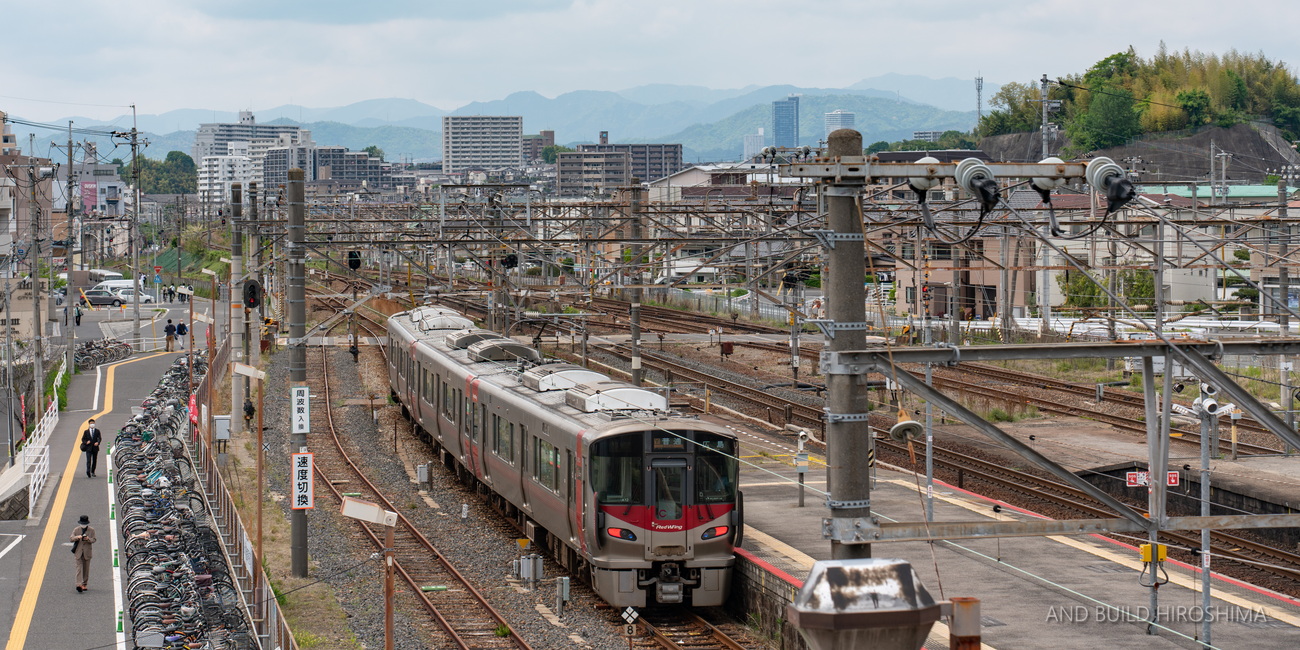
11 544
32 591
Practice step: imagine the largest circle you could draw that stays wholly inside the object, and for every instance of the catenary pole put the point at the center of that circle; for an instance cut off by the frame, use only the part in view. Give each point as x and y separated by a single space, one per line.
848 437
238 388
297 344
634 313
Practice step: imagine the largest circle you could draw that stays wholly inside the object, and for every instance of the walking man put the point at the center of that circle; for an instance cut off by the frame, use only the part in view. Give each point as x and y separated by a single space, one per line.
170 332
76 314
181 331
83 541
90 439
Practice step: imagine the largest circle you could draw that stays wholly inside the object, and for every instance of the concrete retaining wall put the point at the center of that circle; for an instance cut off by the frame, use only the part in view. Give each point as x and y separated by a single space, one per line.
759 594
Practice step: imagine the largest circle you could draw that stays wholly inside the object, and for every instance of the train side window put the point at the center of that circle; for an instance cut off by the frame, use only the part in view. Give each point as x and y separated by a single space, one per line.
546 471
503 440
715 469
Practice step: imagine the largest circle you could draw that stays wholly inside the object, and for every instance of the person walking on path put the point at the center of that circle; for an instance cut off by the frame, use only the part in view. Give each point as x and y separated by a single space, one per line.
83 541
76 314
170 332
181 331
90 439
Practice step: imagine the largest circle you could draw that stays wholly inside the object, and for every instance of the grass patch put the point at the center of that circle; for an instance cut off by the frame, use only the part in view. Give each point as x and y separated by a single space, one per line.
503 631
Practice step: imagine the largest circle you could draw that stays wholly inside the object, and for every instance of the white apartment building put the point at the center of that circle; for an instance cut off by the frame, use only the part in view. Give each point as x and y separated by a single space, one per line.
257 150
211 139
218 173
753 144
482 142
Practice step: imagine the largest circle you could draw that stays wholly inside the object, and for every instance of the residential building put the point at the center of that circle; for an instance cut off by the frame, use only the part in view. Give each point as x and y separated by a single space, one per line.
582 172
97 188
218 173
353 167
212 139
839 119
753 145
534 144
278 160
258 150
785 122
481 142
648 161
927 136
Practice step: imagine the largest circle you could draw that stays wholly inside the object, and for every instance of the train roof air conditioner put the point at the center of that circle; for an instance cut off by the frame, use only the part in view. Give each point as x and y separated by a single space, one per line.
559 376
465 338
502 350
444 322
611 395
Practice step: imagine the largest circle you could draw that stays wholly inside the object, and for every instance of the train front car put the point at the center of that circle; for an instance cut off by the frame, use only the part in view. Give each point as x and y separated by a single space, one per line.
665 512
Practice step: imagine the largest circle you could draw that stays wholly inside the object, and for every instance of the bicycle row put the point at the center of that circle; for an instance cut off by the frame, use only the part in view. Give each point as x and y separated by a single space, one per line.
98 352
179 587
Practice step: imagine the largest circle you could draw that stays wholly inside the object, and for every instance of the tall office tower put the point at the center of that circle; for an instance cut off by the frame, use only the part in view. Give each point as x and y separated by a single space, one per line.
785 122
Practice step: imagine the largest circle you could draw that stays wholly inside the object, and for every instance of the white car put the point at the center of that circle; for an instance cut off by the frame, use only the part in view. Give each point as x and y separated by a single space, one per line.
130 295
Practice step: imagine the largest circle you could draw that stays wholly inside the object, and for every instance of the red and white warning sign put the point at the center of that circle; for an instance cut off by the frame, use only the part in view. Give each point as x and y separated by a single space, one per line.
1171 479
1135 479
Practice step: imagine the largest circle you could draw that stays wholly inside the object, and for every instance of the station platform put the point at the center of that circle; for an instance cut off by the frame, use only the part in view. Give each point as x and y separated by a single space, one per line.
1059 591
39 605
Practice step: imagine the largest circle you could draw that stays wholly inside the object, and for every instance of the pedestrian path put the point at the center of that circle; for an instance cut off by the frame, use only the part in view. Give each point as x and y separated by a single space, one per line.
39 605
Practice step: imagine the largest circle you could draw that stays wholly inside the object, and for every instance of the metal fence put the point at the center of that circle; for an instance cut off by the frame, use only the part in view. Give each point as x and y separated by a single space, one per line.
35 455
272 629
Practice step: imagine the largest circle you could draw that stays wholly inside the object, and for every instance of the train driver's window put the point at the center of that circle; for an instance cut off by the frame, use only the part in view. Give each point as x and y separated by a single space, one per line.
669 477
616 470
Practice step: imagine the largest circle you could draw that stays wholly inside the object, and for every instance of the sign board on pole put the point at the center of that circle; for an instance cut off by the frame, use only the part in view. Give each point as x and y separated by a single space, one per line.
629 629
300 401
301 471
157 269
1135 479
1171 479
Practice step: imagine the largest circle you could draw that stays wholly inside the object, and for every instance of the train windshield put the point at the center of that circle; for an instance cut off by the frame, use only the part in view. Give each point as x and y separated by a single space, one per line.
715 469
616 473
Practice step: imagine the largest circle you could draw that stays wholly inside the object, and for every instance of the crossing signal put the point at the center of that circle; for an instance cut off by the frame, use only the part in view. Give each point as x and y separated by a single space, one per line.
354 260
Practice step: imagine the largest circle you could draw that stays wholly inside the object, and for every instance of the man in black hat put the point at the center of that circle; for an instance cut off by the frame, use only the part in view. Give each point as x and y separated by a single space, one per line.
83 539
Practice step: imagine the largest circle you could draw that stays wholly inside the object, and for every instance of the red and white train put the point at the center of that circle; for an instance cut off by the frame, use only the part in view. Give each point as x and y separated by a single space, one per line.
641 501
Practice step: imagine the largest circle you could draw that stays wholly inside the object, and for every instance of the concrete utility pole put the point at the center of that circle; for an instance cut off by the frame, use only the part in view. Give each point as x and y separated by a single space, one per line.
134 225
1283 311
238 389
38 318
848 436
70 240
296 291
634 313
1043 102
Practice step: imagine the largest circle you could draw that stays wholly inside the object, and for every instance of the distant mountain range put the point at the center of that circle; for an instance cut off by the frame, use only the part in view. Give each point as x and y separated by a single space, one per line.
709 123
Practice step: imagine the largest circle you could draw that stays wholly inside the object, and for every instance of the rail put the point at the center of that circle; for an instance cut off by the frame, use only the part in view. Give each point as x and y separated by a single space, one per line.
272 628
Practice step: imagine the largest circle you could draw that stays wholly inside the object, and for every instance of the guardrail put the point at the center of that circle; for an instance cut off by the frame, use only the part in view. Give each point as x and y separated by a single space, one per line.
272 628
35 455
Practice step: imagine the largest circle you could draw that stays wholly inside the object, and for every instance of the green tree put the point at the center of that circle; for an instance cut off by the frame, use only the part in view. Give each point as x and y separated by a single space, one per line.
1196 103
1015 110
1109 121
1081 289
374 151
877 147
549 153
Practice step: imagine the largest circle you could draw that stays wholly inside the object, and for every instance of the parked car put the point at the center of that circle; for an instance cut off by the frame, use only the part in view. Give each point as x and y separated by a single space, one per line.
129 295
101 297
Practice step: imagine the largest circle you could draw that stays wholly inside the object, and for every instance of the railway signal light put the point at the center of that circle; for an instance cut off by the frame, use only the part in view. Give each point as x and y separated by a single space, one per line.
354 260
510 261
252 294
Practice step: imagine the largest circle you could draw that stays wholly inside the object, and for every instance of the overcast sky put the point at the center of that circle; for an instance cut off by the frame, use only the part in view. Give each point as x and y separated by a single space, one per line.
233 54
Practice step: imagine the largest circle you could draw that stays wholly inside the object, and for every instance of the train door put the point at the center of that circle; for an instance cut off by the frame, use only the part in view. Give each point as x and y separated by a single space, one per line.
569 496
667 503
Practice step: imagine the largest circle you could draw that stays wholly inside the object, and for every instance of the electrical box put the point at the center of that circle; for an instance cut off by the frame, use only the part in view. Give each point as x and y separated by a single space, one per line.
422 473
1161 552
221 427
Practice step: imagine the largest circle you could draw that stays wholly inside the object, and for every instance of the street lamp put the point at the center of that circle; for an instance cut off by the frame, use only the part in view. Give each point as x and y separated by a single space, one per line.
373 513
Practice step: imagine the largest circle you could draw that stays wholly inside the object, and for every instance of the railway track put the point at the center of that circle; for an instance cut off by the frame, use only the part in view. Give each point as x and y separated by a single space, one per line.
463 617
684 630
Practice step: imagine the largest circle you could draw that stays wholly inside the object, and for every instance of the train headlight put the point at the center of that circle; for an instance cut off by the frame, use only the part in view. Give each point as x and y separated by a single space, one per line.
716 531
621 533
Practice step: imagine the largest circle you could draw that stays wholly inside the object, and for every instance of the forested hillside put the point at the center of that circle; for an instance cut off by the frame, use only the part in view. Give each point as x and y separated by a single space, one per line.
1124 96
